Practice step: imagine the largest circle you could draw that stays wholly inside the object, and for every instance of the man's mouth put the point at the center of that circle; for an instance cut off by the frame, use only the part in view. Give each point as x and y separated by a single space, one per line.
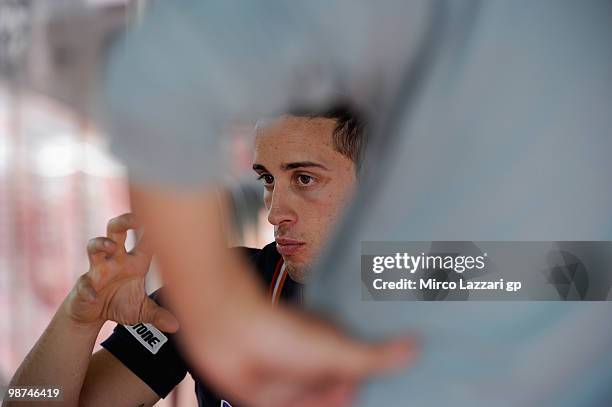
288 247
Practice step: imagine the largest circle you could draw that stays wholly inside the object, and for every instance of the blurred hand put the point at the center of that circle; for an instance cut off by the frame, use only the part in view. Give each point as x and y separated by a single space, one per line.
277 357
113 288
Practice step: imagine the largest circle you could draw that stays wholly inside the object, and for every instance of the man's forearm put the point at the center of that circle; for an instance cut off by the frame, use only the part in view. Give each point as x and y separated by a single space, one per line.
60 358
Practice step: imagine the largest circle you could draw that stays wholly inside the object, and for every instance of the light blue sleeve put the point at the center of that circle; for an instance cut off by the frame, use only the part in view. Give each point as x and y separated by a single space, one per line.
174 83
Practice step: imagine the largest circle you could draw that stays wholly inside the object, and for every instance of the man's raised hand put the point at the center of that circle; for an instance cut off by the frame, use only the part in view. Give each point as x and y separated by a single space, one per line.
113 288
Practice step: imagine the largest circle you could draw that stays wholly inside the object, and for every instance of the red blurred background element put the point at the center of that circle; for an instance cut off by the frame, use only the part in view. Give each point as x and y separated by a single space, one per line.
58 187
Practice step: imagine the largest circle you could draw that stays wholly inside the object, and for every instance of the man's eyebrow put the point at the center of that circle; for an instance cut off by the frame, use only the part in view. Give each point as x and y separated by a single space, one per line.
259 168
291 166
302 164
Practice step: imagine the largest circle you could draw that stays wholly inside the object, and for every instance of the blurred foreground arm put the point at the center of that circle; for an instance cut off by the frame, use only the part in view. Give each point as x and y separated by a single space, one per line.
258 355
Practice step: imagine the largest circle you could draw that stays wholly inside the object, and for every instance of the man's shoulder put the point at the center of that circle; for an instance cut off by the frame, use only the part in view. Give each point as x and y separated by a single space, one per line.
268 250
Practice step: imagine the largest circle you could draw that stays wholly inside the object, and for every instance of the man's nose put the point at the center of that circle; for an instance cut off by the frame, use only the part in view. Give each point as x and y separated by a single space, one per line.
280 211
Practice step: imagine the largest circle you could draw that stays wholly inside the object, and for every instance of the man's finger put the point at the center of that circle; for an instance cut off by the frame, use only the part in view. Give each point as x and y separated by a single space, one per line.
116 228
357 360
99 248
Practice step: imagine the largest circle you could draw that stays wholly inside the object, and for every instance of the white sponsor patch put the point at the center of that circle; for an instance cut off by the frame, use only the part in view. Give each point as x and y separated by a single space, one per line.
149 336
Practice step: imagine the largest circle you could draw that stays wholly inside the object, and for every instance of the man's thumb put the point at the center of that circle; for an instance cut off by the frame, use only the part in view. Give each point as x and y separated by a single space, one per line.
160 317
388 357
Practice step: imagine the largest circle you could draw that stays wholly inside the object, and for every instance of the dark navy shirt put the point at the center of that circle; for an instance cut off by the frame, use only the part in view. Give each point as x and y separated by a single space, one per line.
155 356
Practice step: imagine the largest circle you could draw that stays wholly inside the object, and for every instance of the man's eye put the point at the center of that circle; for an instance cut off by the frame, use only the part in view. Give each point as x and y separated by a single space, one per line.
266 179
304 179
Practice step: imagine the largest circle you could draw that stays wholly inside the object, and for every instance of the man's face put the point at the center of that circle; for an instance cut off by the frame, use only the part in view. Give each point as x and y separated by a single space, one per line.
307 184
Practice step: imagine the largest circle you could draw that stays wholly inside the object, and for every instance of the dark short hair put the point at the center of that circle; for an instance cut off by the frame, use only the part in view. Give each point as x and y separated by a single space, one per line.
348 137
